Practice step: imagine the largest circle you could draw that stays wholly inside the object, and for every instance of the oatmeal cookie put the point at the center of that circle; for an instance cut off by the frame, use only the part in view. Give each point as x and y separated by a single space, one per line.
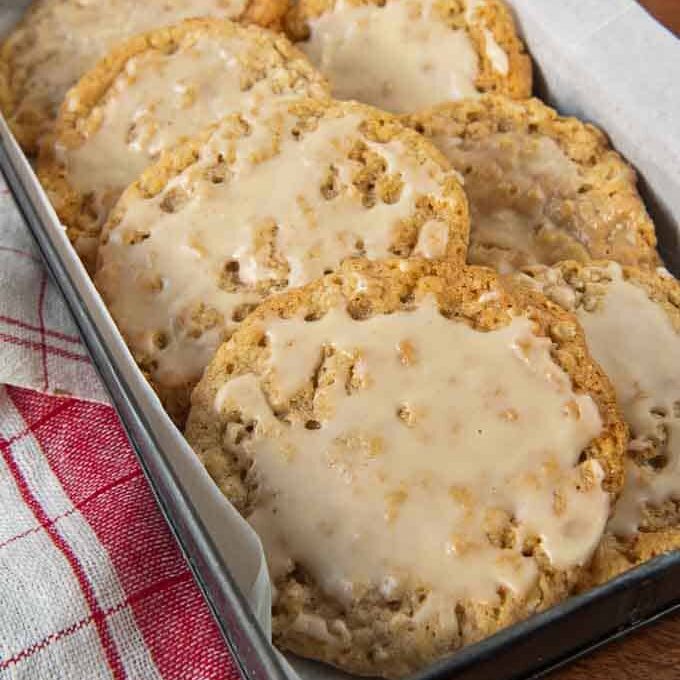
60 40
343 417
542 188
403 55
631 320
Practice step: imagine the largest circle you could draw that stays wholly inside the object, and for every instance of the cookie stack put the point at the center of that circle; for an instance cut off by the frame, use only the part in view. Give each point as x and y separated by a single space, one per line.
426 349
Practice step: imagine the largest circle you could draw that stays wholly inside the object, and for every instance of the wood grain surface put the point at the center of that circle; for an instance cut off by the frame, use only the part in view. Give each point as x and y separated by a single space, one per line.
666 11
652 653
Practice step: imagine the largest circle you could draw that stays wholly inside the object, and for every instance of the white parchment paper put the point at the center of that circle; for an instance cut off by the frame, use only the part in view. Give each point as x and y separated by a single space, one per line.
606 61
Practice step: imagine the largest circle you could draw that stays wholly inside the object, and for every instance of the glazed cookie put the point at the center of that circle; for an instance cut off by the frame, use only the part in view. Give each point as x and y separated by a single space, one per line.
631 320
150 93
59 40
343 417
403 55
542 188
257 203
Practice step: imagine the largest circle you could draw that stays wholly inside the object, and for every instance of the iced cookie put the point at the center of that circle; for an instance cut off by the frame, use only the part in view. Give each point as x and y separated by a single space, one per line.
59 40
403 55
150 93
631 321
257 203
542 188
426 457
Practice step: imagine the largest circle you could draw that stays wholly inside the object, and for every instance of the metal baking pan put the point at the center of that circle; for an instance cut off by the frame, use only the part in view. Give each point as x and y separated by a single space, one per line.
526 650
529 649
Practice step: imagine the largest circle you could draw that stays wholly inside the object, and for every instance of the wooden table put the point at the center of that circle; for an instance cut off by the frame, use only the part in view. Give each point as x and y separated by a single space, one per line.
667 12
654 652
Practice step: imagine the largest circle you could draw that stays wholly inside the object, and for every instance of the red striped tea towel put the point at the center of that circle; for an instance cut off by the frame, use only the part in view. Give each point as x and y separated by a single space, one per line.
92 584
